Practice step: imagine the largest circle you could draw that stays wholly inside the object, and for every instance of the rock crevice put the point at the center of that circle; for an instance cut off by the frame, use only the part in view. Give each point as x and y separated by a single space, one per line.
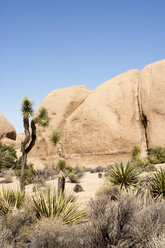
143 123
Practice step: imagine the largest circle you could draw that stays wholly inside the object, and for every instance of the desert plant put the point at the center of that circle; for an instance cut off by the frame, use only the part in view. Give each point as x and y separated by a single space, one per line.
30 172
8 177
52 204
126 222
73 178
30 137
78 188
8 156
79 171
55 137
136 152
123 175
158 183
156 155
61 165
99 168
143 165
10 199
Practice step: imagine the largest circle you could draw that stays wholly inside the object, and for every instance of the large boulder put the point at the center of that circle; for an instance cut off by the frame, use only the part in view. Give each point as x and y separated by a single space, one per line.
152 98
60 104
7 130
106 123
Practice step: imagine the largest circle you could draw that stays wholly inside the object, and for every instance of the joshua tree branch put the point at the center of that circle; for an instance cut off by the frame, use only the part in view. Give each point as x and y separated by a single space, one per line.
33 135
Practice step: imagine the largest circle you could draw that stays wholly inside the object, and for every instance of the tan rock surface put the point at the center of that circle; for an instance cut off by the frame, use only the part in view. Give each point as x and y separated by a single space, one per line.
152 98
60 104
108 121
105 124
6 128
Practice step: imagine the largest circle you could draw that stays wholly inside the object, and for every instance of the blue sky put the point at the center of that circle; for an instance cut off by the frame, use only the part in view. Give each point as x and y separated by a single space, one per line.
49 44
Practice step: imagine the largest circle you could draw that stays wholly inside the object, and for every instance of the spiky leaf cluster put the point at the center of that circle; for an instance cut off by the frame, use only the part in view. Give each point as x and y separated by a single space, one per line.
50 204
10 199
158 183
61 165
123 175
26 108
55 137
43 118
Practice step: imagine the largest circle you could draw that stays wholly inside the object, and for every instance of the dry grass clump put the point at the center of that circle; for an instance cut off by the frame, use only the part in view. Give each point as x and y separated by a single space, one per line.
124 223
52 233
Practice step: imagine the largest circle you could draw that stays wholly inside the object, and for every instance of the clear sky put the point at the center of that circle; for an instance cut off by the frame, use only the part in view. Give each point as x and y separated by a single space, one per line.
52 44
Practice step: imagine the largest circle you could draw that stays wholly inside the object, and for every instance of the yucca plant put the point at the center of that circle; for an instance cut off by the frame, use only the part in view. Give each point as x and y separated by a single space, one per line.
55 137
10 199
158 183
63 206
123 175
144 194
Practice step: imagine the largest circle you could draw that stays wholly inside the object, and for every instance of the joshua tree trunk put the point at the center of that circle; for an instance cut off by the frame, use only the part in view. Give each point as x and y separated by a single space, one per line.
61 182
61 176
25 150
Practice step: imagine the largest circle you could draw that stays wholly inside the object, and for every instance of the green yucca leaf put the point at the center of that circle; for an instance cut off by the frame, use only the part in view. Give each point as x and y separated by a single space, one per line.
26 107
123 175
158 183
10 199
52 204
55 137
43 117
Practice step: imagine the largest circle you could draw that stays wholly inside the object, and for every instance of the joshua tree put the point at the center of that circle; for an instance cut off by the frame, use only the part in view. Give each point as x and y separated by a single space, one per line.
55 138
30 137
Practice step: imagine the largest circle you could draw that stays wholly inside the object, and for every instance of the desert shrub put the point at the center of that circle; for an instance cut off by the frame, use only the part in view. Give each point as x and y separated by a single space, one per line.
48 173
10 199
149 223
8 156
77 188
124 223
6 234
52 233
79 171
123 175
29 171
99 168
157 242
156 155
65 207
143 165
92 170
158 183
8 176
69 169
73 178
136 152
113 192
